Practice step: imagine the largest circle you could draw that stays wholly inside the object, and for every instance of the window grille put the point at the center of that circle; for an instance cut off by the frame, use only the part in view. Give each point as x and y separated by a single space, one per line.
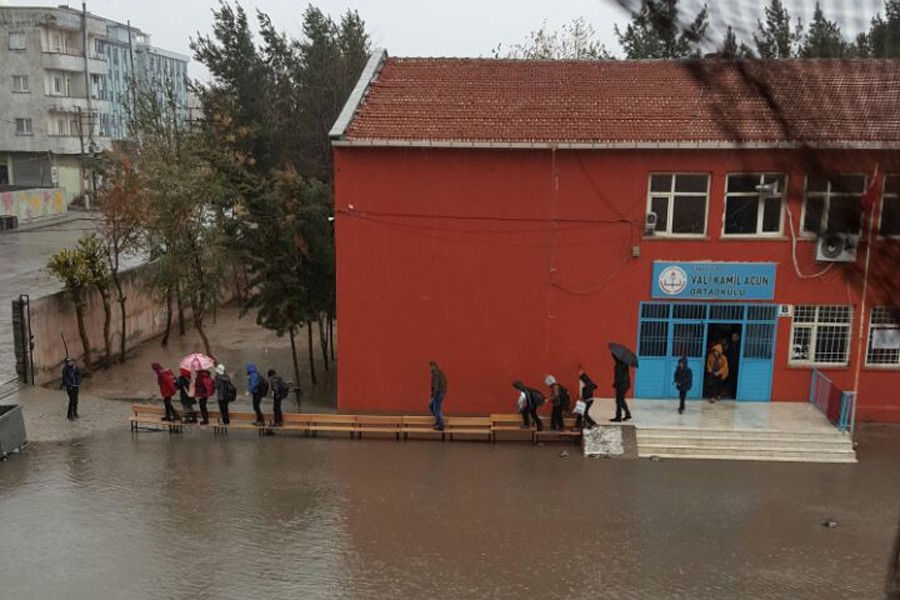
884 337
820 335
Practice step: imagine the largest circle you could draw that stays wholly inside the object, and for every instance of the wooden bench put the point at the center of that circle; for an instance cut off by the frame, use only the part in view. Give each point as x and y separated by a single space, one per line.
149 417
378 424
566 434
509 423
469 426
332 424
420 425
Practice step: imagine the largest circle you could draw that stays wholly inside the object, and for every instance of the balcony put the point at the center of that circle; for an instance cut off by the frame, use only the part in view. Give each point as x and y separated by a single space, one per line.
74 104
69 59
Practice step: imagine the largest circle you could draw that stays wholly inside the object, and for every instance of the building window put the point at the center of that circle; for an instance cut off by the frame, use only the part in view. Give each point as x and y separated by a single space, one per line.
16 40
820 335
20 83
833 205
754 204
884 337
679 203
23 127
890 207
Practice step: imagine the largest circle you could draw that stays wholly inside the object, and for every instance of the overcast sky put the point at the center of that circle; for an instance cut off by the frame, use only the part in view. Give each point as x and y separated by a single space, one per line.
438 28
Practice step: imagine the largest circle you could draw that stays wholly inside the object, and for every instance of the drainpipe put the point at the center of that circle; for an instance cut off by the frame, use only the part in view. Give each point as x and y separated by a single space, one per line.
87 87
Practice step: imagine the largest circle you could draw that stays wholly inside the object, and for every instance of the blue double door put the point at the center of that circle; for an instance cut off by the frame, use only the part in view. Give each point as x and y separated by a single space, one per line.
669 330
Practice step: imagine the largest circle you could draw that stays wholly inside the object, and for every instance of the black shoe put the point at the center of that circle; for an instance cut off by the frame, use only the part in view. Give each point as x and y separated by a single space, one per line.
680 411
616 420
204 422
258 422
627 418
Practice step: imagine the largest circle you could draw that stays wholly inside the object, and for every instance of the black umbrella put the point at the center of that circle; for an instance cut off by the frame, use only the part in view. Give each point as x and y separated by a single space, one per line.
624 354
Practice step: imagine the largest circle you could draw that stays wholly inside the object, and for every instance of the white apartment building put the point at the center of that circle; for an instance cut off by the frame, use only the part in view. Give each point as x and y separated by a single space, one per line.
64 78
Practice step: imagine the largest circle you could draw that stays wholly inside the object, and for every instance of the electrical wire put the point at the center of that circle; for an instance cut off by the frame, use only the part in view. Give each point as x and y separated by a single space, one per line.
794 260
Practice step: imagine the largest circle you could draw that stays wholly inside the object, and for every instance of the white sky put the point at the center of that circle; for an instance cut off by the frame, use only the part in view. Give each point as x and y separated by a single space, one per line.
439 28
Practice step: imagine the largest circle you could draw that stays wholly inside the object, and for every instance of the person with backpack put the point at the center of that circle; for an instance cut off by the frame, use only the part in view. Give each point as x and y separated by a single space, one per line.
587 396
186 392
530 400
684 380
258 388
279 392
225 392
205 389
166 381
559 398
71 380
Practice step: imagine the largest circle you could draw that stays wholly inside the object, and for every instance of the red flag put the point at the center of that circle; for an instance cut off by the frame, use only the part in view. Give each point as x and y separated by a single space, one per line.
870 197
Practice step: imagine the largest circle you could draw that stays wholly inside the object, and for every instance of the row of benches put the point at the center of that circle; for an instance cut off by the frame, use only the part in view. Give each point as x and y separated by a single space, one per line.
148 416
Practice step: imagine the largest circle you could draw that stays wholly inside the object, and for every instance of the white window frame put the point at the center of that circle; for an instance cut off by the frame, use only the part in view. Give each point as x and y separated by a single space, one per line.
880 319
670 195
16 35
826 196
885 196
27 127
782 195
20 84
813 328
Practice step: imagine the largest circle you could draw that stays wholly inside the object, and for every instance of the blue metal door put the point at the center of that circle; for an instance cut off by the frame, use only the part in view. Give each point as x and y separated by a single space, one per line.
669 330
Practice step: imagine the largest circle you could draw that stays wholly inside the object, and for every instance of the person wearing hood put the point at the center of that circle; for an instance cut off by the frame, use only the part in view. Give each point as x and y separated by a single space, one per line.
71 380
205 389
684 380
186 392
166 381
587 396
530 400
621 383
254 388
280 391
716 371
225 392
559 398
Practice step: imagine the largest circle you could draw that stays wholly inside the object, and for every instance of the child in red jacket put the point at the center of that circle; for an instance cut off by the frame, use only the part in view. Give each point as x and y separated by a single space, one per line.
166 381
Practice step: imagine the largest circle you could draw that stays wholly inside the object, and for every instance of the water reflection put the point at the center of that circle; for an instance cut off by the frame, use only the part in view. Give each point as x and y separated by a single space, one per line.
198 516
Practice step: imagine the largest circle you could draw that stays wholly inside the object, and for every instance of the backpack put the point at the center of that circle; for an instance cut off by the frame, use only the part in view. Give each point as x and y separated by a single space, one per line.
563 397
537 398
263 387
283 389
229 391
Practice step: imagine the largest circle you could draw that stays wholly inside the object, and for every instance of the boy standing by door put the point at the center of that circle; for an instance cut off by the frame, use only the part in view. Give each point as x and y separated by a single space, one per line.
684 380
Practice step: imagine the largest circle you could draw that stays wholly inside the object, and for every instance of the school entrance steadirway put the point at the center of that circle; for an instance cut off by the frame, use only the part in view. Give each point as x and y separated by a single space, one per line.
669 330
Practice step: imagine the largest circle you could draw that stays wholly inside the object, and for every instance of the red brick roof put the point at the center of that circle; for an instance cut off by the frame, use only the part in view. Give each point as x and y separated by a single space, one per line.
622 102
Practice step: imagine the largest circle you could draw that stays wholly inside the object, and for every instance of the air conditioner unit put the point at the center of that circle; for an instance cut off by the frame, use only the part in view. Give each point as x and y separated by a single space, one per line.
837 247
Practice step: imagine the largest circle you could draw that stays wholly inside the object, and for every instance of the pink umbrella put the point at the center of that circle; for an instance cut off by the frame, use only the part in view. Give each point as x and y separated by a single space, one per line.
197 362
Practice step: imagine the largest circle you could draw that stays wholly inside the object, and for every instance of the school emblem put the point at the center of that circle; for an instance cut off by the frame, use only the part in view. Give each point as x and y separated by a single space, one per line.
672 280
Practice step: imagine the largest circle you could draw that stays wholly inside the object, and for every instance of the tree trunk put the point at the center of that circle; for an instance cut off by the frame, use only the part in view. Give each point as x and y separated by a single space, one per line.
107 324
198 324
309 339
82 332
296 367
323 340
120 298
165 339
180 301
331 335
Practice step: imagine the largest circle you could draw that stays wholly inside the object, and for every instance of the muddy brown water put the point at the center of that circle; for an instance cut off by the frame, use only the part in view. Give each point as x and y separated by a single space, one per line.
197 516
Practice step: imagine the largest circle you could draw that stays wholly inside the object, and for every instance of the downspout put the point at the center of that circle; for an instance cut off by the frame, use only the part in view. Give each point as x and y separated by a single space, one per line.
90 110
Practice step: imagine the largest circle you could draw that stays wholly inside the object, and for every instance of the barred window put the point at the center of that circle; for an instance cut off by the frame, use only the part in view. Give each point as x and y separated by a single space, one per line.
833 204
820 335
890 207
679 203
884 337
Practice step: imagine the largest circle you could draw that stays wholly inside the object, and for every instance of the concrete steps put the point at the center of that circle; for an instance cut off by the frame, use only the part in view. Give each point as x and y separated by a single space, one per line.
762 444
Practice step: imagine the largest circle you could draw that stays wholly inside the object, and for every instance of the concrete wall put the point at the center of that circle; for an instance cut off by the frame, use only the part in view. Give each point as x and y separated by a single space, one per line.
55 314
31 205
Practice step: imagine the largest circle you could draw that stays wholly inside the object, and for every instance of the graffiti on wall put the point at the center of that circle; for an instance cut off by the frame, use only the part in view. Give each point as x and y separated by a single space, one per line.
30 205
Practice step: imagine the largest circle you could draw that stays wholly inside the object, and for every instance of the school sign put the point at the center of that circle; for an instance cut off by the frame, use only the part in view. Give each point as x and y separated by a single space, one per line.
713 280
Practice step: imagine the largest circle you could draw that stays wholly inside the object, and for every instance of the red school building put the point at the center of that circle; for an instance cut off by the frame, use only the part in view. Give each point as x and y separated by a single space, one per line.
509 218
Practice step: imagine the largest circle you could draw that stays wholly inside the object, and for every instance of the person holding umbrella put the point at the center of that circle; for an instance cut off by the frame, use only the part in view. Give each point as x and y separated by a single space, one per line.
623 358
186 393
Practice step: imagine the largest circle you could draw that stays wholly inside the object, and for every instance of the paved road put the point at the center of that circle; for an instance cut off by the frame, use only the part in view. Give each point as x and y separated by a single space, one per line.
24 255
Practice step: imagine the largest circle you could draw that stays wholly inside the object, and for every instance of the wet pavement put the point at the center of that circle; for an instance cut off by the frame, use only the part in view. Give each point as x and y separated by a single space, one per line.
198 516
24 254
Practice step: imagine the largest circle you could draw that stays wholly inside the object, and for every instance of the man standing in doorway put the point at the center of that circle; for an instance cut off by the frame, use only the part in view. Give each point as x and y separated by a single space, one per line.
71 380
732 355
438 392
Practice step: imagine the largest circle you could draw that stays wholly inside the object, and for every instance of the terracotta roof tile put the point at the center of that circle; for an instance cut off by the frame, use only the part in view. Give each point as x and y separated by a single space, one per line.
487 100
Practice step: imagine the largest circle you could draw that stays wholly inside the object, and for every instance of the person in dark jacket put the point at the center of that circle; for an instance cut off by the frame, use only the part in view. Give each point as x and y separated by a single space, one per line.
684 380
533 400
186 393
621 383
559 398
255 391
71 380
279 393
438 393
225 392
587 396
732 347
166 381
204 389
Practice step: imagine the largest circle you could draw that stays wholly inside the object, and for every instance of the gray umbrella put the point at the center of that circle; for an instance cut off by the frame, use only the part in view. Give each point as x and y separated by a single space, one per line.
624 354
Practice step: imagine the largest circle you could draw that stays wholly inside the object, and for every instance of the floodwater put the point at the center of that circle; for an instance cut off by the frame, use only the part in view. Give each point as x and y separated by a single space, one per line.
198 516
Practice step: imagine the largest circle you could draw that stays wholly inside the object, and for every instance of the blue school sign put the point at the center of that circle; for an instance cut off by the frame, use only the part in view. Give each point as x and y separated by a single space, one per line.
713 281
